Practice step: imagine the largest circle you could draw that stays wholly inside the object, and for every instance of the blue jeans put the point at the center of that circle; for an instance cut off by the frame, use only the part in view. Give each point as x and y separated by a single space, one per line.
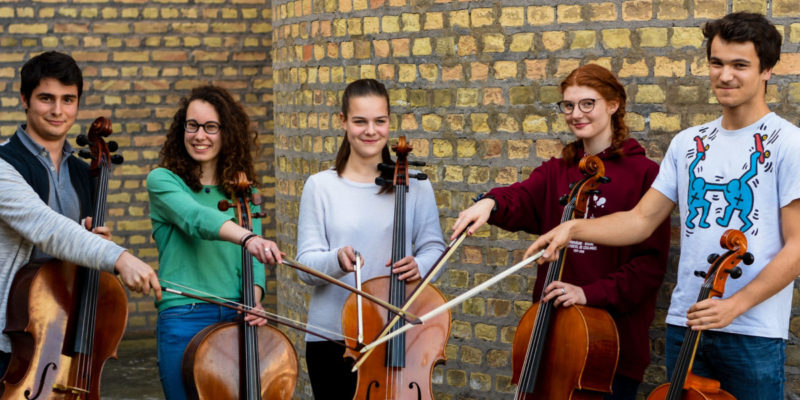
749 367
623 388
5 358
175 329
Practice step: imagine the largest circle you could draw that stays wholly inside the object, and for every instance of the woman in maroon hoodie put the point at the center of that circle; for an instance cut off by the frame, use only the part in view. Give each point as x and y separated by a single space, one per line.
622 280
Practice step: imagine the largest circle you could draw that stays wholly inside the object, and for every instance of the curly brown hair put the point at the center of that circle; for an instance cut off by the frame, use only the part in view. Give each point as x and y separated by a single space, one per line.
238 141
607 85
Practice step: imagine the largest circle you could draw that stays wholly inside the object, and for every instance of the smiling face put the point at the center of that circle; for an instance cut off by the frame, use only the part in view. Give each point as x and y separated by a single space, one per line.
367 126
202 146
592 126
51 110
734 71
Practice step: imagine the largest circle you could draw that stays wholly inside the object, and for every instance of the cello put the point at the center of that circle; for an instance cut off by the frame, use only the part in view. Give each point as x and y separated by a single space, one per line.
234 360
401 368
569 352
59 345
685 385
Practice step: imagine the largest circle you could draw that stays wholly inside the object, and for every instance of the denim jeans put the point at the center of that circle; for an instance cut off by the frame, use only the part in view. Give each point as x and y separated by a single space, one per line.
175 329
623 388
749 367
5 358
329 372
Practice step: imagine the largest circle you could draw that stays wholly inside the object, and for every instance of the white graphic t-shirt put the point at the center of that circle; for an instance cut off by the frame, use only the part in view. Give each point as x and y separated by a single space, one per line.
724 180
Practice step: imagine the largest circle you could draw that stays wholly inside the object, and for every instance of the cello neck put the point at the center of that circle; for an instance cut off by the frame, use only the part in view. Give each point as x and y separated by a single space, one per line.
88 279
713 286
249 371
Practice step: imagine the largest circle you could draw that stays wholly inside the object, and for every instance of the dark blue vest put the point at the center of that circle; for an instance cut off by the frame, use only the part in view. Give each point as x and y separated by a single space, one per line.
16 154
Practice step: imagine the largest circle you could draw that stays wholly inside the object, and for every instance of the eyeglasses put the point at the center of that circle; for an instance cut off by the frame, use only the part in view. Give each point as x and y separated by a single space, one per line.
211 127
585 105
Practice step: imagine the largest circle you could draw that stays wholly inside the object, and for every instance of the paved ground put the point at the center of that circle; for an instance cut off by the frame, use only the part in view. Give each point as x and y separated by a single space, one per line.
134 376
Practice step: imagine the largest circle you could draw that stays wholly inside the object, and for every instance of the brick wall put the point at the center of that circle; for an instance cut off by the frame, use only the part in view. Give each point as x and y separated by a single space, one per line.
138 58
472 85
471 82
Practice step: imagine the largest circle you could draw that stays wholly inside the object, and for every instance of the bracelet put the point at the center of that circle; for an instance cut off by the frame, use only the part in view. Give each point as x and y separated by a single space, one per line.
247 238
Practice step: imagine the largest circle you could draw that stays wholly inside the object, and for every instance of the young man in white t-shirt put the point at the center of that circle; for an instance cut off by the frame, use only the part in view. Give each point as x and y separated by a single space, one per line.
736 172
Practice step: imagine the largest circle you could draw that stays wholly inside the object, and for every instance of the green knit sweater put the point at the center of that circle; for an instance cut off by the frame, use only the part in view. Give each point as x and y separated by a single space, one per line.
190 253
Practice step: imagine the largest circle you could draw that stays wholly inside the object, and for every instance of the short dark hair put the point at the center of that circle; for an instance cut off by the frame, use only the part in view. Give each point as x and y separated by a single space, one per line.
51 64
742 27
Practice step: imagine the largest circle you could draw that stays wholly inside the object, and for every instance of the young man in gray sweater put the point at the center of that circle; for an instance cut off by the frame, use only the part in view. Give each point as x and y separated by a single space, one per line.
45 191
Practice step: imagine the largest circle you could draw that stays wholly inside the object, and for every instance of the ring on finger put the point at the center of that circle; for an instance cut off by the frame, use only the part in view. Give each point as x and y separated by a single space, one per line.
563 291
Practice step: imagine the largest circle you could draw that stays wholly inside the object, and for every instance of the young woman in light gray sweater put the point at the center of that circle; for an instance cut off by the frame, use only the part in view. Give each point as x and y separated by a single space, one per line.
342 210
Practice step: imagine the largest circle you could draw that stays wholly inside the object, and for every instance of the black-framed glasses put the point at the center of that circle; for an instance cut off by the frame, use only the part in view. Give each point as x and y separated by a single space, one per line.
585 105
211 127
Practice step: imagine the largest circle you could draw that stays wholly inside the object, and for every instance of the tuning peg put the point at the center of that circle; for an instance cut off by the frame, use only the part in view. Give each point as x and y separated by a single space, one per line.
419 176
82 140
380 181
417 163
593 191
258 215
223 205
83 153
712 257
604 179
386 167
735 272
117 159
701 274
571 185
113 146
747 258
563 200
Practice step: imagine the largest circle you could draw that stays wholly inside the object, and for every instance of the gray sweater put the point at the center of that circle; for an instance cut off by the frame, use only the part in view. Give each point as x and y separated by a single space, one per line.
336 212
26 221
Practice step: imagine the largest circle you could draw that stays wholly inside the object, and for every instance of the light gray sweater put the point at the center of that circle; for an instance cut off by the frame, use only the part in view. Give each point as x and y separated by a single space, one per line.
336 212
26 221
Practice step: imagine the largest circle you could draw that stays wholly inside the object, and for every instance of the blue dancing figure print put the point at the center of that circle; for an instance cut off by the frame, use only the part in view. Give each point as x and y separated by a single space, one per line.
738 193
698 187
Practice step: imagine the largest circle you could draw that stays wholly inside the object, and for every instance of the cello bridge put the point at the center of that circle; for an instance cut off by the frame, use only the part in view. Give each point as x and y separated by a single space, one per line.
70 389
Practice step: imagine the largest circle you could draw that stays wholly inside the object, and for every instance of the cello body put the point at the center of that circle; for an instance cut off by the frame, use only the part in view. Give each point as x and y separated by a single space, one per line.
699 388
42 363
236 360
425 345
583 369
219 371
567 352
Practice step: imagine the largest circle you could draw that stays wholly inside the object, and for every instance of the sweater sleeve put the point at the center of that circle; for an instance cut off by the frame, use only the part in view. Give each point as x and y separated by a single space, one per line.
634 281
171 203
313 248
518 205
427 233
23 210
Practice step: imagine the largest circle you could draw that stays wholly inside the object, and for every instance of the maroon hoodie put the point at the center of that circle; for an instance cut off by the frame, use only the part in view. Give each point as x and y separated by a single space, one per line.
623 280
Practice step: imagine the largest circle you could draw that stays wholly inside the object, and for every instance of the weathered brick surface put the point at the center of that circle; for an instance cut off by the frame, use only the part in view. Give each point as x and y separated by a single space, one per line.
138 58
472 85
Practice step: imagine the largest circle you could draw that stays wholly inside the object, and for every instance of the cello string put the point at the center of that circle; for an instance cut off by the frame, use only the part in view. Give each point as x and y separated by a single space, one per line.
543 313
88 323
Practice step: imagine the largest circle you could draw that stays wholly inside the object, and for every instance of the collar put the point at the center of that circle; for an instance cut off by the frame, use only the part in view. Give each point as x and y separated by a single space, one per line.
36 148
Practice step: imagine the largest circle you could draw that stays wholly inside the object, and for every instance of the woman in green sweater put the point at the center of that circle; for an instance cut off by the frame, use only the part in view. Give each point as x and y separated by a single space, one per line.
208 142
